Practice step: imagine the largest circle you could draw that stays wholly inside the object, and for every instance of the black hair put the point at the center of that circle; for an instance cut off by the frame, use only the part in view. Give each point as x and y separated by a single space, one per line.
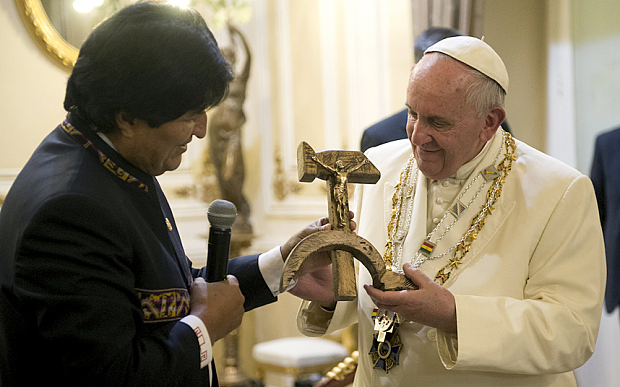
152 61
430 37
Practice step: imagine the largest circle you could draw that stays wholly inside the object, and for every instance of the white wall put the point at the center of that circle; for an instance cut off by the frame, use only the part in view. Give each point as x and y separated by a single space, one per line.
516 30
32 90
597 72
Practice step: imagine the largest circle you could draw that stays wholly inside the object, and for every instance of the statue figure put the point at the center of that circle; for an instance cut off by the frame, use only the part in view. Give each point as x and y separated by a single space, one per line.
225 134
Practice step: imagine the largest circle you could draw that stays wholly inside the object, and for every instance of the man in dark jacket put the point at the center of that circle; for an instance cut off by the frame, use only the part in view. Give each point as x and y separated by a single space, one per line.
605 176
96 289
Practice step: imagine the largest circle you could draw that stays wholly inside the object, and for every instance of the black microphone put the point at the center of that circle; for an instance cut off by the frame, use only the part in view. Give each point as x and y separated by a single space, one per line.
221 215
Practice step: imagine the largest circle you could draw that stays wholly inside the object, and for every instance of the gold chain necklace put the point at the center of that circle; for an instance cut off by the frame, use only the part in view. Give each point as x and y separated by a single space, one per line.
386 344
404 192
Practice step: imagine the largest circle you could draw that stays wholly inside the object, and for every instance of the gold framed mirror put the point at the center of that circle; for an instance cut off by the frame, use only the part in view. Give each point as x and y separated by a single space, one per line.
45 35
59 27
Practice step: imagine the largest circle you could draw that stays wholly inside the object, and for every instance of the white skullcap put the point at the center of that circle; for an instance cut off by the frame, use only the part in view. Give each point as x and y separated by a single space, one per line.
474 53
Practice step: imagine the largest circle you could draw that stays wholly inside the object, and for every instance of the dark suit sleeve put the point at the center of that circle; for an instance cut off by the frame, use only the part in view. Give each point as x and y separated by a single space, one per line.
598 179
251 282
367 141
75 270
606 181
390 129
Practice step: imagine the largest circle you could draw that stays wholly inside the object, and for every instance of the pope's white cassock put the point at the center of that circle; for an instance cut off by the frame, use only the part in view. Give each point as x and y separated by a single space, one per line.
528 293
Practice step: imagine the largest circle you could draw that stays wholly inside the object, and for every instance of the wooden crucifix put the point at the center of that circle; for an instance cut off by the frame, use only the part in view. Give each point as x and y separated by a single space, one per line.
338 168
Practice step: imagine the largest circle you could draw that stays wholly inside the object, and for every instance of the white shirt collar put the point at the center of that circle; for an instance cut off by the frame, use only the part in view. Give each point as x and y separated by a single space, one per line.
106 139
466 169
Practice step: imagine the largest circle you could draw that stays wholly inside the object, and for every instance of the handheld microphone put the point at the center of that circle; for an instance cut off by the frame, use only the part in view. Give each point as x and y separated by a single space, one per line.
221 215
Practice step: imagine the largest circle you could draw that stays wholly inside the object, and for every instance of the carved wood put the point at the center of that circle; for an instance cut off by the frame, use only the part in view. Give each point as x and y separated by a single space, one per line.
358 247
338 168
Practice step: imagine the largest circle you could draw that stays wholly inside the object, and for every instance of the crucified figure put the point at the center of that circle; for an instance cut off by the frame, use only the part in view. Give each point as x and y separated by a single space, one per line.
339 193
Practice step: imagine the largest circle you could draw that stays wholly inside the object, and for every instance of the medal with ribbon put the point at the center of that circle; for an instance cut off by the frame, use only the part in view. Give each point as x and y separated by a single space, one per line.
386 343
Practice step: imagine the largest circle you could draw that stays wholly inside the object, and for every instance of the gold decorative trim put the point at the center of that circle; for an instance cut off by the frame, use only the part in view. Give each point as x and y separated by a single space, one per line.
282 185
345 368
184 191
45 35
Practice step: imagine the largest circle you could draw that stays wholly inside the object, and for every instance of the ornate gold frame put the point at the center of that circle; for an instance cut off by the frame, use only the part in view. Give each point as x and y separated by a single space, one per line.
45 35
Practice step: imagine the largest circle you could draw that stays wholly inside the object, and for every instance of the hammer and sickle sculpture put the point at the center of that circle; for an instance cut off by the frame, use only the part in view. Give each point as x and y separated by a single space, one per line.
338 168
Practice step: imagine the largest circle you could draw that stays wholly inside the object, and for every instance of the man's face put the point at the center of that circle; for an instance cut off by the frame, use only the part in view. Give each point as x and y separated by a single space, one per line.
444 129
157 150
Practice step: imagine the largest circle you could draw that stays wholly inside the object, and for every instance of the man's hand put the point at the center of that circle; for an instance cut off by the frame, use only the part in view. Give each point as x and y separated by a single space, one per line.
321 224
318 225
431 304
218 304
314 277
317 286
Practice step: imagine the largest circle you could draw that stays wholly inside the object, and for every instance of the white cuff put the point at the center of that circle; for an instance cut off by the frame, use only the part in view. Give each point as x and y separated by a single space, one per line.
271 266
206 351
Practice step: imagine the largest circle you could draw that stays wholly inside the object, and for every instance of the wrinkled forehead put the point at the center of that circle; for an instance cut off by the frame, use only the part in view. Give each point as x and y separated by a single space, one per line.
441 72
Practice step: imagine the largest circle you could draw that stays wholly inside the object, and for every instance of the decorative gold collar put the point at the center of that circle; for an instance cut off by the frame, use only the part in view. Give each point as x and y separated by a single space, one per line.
402 207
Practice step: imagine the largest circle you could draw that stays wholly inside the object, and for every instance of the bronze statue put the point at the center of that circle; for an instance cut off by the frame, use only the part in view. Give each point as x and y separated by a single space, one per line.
225 134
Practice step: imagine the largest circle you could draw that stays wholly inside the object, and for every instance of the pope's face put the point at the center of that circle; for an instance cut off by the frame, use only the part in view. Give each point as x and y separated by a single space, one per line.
444 129
157 150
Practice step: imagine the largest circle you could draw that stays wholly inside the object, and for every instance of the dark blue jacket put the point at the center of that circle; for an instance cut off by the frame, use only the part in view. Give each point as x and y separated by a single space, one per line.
605 176
93 275
390 129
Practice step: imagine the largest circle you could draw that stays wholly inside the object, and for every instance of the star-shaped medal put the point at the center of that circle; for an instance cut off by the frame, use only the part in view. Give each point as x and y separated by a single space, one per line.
384 355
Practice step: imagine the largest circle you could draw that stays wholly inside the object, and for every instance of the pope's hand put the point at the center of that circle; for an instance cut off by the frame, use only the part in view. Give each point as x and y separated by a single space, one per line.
431 304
